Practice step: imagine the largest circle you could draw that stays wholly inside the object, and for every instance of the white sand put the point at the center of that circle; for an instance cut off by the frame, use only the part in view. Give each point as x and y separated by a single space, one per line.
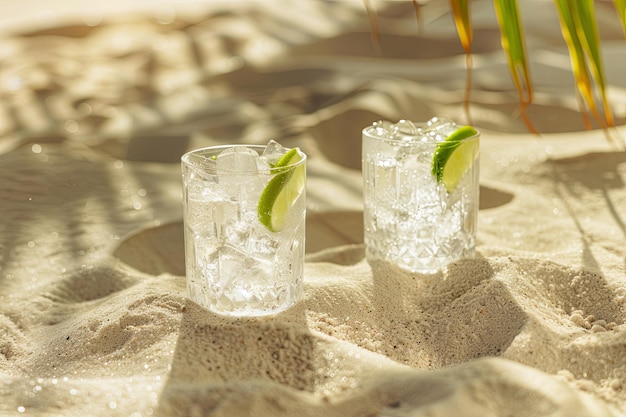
94 319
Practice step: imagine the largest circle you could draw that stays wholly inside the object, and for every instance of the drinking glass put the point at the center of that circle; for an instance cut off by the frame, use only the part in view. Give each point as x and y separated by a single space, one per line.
414 218
240 262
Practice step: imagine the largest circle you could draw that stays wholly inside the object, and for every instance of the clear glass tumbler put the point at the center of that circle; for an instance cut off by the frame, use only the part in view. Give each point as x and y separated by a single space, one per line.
244 215
420 192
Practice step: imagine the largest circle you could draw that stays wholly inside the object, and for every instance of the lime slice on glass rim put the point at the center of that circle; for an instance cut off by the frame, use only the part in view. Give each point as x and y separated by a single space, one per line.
282 191
454 157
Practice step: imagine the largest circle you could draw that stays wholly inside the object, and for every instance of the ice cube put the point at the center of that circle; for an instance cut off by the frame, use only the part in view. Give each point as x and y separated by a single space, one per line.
438 122
385 179
232 261
404 130
272 153
238 160
384 129
440 127
437 128
232 165
406 127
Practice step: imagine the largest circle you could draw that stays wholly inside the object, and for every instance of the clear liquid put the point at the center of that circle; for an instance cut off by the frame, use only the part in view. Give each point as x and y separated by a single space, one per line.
410 219
227 280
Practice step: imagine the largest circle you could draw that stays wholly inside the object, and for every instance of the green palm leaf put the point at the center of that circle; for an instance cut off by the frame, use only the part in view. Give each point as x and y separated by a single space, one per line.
513 44
578 25
579 28
460 10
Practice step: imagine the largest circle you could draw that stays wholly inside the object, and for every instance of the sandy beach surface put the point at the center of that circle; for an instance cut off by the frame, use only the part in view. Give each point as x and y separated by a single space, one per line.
98 104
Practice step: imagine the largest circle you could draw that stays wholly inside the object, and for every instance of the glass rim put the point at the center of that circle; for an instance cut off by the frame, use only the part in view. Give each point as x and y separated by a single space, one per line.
420 140
200 158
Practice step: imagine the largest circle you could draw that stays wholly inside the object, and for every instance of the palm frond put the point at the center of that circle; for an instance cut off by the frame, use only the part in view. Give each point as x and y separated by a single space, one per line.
460 11
513 44
578 25
579 28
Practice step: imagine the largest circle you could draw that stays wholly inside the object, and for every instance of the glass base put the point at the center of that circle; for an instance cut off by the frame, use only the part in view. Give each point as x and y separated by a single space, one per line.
247 302
419 261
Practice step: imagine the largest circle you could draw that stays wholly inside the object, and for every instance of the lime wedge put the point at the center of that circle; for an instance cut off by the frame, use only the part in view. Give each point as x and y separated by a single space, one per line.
282 191
454 157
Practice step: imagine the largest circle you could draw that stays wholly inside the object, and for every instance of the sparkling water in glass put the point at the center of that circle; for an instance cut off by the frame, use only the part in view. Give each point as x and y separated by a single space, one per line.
410 219
235 264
